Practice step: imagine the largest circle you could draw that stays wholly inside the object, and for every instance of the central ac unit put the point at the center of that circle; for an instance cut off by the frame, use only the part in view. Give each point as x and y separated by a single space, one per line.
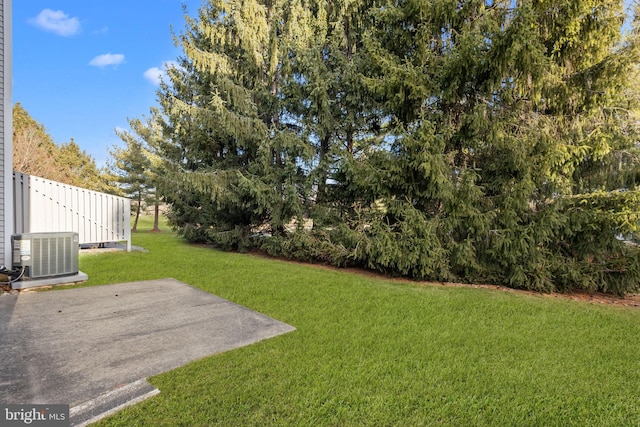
45 255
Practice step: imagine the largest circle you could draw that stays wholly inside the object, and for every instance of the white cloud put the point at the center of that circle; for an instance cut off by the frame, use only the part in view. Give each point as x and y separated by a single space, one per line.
56 21
107 59
156 75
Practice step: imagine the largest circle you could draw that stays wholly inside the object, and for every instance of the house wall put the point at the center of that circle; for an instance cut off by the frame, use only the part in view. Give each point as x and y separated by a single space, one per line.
6 135
42 205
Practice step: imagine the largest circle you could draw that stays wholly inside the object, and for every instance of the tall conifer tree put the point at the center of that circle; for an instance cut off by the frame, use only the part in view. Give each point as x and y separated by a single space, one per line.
505 112
130 168
237 161
330 100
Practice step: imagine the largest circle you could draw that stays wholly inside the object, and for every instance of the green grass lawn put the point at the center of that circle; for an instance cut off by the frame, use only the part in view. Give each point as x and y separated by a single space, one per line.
373 352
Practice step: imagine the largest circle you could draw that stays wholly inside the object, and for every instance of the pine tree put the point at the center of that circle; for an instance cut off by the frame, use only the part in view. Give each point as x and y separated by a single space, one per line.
330 101
130 166
505 113
78 168
150 136
236 160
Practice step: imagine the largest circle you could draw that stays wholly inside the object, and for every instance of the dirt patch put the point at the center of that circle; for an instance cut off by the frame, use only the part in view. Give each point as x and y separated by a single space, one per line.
632 300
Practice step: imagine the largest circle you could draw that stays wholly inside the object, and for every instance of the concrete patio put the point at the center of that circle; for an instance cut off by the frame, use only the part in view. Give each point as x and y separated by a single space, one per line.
94 347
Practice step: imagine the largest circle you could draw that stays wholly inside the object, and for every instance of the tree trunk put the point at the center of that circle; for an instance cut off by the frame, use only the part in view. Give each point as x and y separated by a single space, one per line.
156 214
350 140
324 173
135 222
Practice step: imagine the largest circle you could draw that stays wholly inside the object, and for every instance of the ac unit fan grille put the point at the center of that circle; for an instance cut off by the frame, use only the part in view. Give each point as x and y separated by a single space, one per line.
52 256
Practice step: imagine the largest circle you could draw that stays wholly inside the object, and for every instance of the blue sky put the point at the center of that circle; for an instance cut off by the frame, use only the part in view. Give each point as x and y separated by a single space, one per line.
82 67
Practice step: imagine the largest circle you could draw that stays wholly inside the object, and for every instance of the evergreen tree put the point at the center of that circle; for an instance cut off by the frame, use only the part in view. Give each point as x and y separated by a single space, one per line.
329 100
79 169
150 135
236 161
506 114
130 166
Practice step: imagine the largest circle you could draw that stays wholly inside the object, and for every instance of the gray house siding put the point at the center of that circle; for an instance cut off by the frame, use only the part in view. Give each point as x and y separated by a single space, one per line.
6 152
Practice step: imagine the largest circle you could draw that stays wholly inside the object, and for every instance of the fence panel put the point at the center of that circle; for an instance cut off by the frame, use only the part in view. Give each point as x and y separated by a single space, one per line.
42 205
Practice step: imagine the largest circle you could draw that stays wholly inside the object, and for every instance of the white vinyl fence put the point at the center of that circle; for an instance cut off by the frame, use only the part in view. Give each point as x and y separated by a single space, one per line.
42 205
